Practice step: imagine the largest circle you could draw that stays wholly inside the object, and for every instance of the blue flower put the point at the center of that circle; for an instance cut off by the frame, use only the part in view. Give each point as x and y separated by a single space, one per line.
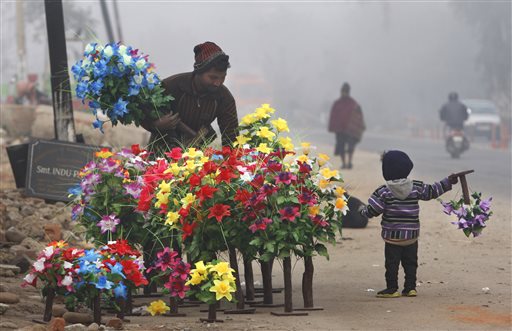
100 68
120 108
104 283
90 255
96 87
94 104
75 190
98 124
120 291
117 269
77 70
81 89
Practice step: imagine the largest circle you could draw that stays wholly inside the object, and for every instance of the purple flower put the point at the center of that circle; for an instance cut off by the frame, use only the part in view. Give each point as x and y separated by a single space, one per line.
485 205
76 211
108 223
448 208
108 165
480 219
133 189
461 212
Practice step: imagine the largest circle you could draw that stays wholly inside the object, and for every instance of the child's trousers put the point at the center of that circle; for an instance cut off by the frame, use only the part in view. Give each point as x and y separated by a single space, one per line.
408 256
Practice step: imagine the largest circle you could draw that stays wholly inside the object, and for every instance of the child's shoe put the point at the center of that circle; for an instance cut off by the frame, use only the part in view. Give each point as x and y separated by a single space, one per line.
409 293
388 293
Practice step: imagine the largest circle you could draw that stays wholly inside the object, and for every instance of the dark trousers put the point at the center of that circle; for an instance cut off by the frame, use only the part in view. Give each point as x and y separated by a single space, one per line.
408 256
344 143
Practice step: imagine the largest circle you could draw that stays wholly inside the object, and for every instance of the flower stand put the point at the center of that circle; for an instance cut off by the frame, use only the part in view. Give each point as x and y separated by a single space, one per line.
239 294
249 280
50 296
307 285
288 302
212 314
96 309
266 274
463 182
173 305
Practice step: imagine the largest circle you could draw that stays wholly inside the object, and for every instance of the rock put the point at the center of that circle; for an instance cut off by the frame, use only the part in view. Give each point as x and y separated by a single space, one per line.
2 235
19 250
22 262
7 273
27 210
34 327
8 297
3 308
93 327
14 235
32 244
77 318
3 288
8 325
56 324
115 323
14 216
76 327
58 310
53 231
11 267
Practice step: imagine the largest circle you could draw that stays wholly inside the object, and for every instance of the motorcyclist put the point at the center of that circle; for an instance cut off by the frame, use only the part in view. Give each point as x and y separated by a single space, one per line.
454 112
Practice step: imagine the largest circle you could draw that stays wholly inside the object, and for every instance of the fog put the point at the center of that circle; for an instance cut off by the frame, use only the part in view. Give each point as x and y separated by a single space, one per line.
401 58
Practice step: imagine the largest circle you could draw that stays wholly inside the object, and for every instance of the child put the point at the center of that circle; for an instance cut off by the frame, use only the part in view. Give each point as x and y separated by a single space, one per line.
397 201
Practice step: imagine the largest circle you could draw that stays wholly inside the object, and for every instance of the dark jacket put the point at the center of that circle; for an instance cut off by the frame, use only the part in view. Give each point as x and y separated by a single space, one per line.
454 113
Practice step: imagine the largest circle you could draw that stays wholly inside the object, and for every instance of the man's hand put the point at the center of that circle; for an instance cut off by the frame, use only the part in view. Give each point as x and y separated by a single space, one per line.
167 122
453 179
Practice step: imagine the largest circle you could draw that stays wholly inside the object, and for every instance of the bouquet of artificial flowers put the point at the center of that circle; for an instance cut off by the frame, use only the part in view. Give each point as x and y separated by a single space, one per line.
212 281
119 82
471 217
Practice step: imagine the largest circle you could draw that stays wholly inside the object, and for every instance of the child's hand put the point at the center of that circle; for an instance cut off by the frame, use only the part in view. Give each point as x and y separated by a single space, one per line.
453 179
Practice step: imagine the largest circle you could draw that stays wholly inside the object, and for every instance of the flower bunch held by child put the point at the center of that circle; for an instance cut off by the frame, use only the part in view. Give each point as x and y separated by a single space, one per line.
211 282
471 217
118 81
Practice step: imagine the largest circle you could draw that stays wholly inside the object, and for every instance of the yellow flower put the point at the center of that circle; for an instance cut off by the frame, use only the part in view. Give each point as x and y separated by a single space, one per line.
280 125
263 148
340 204
322 159
164 187
190 165
188 199
265 133
192 153
328 173
201 268
286 143
303 158
229 277
172 217
339 191
305 147
174 169
104 153
158 308
195 278
222 268
314 210
266 108
324 184
222 289
241 140
162 199
248 119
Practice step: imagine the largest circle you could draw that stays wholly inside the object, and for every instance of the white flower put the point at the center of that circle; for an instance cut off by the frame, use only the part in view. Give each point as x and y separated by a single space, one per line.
138 79
48 251
140 64
89 48
67 280
108 51
68 265
247 177
29 278
122 50
39 264
127 59
151 78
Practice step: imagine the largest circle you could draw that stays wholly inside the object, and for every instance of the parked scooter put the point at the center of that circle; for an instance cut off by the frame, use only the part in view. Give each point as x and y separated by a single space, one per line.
456 143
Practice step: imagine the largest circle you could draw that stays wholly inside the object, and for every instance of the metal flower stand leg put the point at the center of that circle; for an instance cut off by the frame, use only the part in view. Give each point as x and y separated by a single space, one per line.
173 305
96 309
48 306
249 281
266 274
239 293
288 302
307 285
212 314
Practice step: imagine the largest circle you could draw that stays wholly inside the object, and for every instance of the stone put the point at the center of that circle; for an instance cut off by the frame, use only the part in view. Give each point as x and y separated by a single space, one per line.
22 262
93 327
27 210
4 288
8 325
34 327
8 297
77 318
32 244
3 238
115 323
58 310
11 267
14 216
19 250
76 327
7 273
56 324
14 235
53 231
3 308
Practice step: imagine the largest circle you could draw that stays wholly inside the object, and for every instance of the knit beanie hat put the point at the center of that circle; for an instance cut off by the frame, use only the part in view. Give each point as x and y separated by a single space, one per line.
206 53
396 165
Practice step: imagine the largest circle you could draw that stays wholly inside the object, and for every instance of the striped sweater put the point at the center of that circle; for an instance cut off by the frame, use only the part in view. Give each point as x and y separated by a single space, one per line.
400 217
197 111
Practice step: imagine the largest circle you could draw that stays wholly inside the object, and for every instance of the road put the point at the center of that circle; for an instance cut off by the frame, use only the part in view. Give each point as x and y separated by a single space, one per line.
492 167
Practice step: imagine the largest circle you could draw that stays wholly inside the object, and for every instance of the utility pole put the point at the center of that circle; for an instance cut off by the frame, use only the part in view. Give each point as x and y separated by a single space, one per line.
20 41
106 18
118 22
61 90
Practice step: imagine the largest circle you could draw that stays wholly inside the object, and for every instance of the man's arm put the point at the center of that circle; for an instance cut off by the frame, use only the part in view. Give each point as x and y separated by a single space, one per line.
228 120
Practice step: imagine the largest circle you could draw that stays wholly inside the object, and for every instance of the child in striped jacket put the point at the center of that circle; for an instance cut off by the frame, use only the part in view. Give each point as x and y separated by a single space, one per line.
397 201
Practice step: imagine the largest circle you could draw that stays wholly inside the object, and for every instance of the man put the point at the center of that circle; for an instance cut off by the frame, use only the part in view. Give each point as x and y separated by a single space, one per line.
454 112
347 122
199 98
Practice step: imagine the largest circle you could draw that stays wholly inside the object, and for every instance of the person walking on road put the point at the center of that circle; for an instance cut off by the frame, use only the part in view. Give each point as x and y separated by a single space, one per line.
347 122
397 201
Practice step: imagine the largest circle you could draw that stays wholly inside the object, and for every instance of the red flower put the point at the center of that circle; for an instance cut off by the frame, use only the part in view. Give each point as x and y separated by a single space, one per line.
289 213
187 229
260 224
206 192
318 220
285 178
242 195
210 167
122 247
194 180
136 149
175 153
219 211
225 175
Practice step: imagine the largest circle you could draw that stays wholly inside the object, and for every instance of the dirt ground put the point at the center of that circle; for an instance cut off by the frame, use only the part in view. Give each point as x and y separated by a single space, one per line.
463 283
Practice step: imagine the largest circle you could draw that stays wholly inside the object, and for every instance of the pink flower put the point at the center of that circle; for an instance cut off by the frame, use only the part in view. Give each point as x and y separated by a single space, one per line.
260 224
289 213
108 223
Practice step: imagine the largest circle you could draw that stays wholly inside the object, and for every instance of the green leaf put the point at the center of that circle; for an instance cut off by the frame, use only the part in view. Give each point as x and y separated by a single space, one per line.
321 250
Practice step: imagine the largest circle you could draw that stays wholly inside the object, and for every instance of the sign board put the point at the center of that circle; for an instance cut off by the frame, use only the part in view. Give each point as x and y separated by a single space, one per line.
53 167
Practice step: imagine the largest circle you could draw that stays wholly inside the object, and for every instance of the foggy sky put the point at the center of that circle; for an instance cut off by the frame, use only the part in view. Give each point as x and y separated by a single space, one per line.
401 58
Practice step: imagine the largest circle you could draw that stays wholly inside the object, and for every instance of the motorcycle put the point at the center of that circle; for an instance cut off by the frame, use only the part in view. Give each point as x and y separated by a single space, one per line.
456 143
